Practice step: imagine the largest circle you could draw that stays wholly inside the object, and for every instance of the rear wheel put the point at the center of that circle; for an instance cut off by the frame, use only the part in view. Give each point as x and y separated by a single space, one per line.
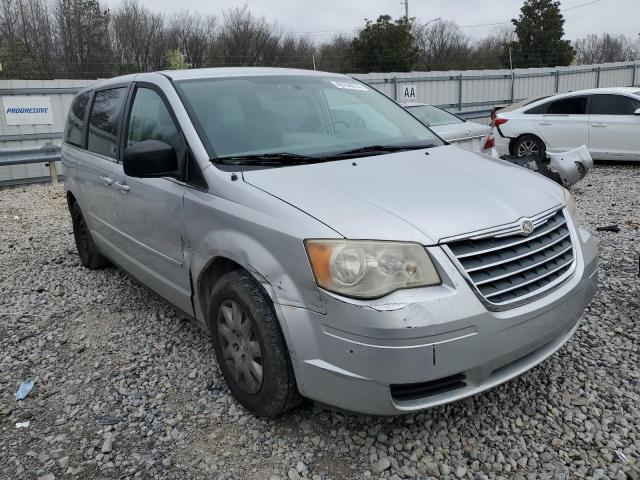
529 146
89 255
250 348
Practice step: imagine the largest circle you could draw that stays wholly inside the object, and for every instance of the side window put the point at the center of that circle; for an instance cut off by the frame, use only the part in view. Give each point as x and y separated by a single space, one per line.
150 120
73 133
568 106
104 121
539 110
613 105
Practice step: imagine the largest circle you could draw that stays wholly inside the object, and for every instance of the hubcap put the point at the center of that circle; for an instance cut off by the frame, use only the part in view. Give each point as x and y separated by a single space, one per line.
527 149
240 347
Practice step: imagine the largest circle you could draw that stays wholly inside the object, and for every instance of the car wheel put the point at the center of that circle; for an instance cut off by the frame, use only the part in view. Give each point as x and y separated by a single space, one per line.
250 348
529 146
88 252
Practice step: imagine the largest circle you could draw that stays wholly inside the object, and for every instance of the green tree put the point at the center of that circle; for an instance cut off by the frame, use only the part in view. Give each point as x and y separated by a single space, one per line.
385 45
175 60
540 32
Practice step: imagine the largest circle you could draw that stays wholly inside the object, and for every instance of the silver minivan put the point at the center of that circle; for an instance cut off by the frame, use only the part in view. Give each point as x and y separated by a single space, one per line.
331 244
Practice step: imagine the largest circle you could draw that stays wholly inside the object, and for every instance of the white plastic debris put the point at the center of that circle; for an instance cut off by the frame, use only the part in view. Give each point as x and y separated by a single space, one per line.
572 165
23 424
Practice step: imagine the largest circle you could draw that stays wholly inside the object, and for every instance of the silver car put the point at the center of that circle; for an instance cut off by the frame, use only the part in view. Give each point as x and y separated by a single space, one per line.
454 129
328 241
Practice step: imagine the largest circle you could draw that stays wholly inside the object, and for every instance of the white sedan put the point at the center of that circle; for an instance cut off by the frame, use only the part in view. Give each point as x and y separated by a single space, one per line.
606 120
453 129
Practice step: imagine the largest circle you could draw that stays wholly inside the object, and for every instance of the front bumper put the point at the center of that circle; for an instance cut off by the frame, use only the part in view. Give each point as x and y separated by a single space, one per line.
365 356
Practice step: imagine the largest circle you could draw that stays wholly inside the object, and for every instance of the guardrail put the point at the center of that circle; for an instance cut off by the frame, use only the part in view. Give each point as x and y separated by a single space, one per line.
47 154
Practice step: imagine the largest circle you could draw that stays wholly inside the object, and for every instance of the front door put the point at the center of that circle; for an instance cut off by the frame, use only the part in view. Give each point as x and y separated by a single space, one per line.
150 210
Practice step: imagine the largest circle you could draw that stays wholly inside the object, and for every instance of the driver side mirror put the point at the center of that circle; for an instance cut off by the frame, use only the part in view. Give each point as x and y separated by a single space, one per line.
637 112
150 159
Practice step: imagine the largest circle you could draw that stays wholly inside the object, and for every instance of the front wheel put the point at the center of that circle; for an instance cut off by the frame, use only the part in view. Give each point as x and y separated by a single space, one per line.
250 348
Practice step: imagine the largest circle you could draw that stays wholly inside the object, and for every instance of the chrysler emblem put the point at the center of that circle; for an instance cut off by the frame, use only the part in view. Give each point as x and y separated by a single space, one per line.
526 226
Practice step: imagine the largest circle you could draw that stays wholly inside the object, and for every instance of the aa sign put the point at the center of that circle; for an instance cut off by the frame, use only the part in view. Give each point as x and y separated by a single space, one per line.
408 92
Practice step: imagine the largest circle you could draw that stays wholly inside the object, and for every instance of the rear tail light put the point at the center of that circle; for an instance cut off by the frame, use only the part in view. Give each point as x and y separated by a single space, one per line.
499 121
490 142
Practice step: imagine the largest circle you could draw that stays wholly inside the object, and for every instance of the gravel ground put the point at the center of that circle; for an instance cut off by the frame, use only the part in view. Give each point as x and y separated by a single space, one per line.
126 388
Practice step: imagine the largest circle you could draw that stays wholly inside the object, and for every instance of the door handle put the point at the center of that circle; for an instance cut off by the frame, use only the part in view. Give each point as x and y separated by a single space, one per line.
123 187
106 180
544 123
598 124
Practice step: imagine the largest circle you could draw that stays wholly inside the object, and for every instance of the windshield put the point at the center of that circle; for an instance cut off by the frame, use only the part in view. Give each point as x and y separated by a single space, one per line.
311 116
433 116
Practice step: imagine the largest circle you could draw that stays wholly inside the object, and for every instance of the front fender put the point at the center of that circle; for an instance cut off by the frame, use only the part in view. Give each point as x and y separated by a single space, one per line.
263 264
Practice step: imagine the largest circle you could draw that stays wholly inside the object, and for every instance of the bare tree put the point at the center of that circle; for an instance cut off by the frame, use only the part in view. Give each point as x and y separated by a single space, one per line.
83 38
139 37
606 48
193 35
489 52
442 46
245 39
26 37
336 55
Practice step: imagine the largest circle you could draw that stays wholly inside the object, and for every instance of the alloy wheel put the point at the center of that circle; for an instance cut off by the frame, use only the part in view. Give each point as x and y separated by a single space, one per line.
527 148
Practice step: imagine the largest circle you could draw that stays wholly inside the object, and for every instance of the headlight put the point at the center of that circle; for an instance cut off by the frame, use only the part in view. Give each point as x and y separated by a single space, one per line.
571 206
370 269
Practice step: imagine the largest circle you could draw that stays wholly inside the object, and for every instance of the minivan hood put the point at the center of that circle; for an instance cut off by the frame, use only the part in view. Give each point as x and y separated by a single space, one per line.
419 195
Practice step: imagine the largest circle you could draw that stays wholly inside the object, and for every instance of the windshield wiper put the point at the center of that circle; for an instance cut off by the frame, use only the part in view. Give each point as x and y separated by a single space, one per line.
281 158
379 150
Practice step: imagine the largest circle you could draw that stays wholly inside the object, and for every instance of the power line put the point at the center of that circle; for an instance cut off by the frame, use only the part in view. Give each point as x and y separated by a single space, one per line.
491 24
509 21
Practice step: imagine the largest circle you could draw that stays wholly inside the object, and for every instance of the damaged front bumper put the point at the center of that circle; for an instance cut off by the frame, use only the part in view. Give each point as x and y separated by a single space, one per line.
423 347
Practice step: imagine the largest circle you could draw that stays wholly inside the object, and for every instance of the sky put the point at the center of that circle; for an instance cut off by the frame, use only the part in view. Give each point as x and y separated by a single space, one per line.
323 18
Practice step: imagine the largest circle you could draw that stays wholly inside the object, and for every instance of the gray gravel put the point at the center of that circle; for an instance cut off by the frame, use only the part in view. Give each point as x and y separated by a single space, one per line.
126 388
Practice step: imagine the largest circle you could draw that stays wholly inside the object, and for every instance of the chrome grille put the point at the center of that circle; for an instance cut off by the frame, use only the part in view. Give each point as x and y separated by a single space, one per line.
506 268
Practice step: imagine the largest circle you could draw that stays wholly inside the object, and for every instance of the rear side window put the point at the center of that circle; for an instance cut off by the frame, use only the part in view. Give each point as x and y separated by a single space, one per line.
104 121
539 110
568 106
73 133
613 105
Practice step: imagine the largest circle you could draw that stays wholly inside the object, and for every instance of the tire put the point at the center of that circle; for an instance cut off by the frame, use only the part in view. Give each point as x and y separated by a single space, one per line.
529 146
88 252
246 333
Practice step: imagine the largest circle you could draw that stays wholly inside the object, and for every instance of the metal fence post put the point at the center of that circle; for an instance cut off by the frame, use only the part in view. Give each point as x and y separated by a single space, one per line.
633 77
598 77
513 86
395 88
459 92
557 74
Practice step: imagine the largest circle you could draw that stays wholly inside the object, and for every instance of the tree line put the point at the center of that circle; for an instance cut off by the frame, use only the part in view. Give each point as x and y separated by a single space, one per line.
83 39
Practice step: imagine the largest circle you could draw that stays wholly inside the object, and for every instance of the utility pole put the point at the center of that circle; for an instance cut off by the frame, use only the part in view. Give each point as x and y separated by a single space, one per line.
406 10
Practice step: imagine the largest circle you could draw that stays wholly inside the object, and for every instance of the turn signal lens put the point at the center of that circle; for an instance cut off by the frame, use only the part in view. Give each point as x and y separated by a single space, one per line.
370 269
